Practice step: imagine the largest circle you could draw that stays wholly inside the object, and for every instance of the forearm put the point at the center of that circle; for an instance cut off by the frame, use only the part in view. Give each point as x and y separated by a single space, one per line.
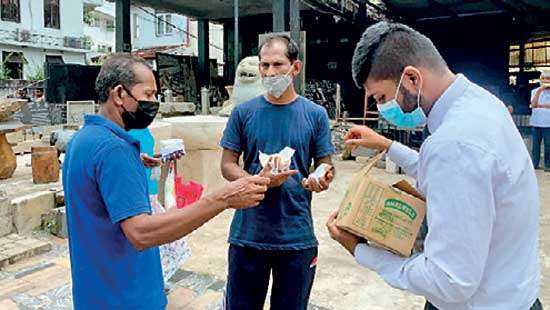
232 171
545 105
154 230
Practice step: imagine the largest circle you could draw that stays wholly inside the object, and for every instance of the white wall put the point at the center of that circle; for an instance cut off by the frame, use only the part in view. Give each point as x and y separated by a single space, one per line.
32 18
147 30
36 57
100 34
216 38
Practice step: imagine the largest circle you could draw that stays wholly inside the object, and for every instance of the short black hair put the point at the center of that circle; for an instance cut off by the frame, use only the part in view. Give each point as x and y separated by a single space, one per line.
386 48
292 49
117 69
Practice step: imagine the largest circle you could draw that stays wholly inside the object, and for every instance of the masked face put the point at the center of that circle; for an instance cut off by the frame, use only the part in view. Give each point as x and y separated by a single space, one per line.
143 116
277 85
393 112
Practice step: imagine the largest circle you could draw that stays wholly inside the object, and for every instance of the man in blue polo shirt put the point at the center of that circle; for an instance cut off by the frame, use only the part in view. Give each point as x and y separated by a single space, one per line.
278 237
113 237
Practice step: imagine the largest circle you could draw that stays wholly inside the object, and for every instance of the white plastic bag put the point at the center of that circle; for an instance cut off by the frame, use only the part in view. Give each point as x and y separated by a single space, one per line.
172 255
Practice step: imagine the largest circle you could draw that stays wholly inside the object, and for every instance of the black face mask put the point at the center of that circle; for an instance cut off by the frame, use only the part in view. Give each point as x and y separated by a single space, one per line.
143 116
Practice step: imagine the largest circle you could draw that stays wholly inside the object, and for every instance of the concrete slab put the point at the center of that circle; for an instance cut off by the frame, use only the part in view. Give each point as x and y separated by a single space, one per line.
202 166
202 132
15 248
160 130
29 209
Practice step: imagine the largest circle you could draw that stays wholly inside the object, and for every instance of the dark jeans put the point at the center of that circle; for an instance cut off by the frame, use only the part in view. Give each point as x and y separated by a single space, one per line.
539 134
536 306
249 272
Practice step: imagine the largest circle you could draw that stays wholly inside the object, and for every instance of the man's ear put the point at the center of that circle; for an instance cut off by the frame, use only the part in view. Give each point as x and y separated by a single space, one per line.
412 79
117 93
297 67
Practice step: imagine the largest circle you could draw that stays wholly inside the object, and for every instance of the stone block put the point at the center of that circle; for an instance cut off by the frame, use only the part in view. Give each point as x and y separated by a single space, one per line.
17 253
8 161
160 130
25 146
176 108
6 216
15 137
202 132
20 249
28 210
202 167
45 165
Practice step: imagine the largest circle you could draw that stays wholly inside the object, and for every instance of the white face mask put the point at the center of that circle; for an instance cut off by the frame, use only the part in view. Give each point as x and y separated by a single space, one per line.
277 85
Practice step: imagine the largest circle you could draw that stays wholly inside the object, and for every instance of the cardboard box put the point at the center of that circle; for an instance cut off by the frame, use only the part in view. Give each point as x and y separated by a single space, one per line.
388 216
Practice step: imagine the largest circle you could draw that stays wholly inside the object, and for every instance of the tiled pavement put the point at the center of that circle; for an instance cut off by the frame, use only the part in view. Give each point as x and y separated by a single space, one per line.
43 282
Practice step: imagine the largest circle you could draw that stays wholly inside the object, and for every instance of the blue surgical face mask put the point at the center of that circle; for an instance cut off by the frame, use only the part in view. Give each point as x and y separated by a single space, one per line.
393 113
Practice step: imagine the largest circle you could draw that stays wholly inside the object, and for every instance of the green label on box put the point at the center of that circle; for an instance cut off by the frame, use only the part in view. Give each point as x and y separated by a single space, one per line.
400 206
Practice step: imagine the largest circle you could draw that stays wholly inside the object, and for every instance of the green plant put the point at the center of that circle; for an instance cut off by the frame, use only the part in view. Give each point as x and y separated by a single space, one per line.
37 74
87 42
4 72
89 18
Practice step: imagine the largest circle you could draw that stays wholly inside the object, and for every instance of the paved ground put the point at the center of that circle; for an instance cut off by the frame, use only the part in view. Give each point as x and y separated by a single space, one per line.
43 282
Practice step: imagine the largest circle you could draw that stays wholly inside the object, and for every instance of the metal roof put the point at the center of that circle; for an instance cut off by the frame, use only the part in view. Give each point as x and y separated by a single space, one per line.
534 13
212 9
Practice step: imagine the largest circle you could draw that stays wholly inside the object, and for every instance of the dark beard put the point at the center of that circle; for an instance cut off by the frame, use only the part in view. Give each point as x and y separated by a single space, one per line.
409 101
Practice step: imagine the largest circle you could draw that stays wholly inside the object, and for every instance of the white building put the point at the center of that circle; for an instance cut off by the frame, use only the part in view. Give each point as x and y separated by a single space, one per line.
99 28
36 31
151 31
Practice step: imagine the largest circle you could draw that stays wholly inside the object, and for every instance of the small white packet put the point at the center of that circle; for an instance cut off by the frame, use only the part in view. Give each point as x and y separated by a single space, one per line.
169 147
321 171
279 162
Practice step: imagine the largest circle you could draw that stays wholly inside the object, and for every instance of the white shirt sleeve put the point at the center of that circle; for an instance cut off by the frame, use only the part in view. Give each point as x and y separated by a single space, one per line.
533 92
460 216
404 157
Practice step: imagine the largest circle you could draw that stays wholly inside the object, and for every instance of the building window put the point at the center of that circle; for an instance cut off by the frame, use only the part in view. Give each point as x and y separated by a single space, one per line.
164 24
537 54
10 11
13 64
110 25
136 26
54 59
51 14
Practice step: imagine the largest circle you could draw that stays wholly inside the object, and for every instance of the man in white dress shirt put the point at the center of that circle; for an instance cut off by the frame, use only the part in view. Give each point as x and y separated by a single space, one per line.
481 249
540 120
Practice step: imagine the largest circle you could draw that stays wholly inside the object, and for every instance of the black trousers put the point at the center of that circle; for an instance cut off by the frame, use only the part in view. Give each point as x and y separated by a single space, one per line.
249 272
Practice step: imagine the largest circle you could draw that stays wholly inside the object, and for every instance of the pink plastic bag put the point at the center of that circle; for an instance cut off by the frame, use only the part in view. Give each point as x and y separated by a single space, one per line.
187 194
